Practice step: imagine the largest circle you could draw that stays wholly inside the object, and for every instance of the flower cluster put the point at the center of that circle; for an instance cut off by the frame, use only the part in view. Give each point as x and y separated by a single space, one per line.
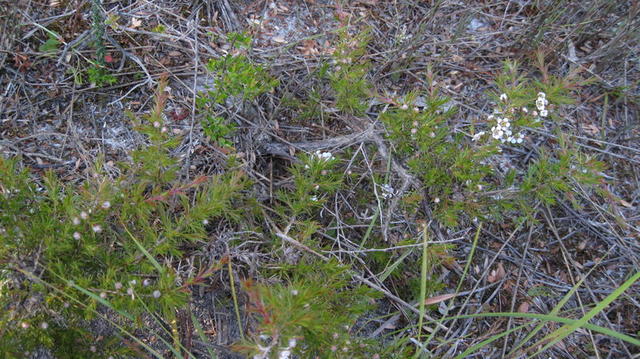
387 191
502 131
324 156
283 352
541 104
320 156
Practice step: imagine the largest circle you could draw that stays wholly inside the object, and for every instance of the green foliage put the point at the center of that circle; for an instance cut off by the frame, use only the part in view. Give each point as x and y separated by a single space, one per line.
311 315
348 78
314 177
558 168
51 45
453 172
218 130
98 29
159 29
68 251
235 78
100 76
97 73
459 172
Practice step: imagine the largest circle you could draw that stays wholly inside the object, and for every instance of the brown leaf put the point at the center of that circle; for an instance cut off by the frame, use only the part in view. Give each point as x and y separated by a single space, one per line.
497 274
439 298
523 307
591 129
582 245
625 203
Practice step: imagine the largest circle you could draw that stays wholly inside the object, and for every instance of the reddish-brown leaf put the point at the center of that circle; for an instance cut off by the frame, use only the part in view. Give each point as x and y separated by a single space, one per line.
439 298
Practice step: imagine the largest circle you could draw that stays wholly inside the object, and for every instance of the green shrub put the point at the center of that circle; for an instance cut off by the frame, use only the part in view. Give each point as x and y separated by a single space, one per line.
68 252
236 78
311 316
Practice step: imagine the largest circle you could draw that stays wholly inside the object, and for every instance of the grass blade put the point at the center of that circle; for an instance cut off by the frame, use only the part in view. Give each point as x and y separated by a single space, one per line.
569 328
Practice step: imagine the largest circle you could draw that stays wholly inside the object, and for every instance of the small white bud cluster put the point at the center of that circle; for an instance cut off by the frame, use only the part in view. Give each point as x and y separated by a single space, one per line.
387 191
502 131
324 156
541 104
285 353
477 136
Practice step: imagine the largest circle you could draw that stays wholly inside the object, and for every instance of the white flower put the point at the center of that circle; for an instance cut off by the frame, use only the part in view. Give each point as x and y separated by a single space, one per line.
84 215
44 325
118 285
525 110
314 198
544 113
504 122
146 282
388 191
76 236
496 132
324 156
96 228
294 292
503 97
75 221
106 205
477 136
436 200
414 131
156 294
205 222
542 95
404 106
